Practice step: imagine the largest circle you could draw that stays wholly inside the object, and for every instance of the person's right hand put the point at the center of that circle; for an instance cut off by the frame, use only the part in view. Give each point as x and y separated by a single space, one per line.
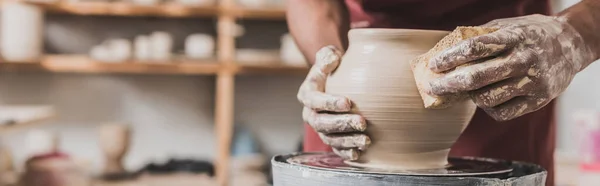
328 114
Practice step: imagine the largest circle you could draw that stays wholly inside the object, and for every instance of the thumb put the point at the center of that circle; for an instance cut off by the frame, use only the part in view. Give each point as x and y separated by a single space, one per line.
327 59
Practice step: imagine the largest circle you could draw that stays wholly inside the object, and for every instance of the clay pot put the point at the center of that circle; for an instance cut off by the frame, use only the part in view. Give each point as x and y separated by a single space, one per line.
114 142
375 74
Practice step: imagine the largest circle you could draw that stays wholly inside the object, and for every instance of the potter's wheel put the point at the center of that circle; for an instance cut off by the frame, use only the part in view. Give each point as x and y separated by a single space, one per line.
458 166
327 169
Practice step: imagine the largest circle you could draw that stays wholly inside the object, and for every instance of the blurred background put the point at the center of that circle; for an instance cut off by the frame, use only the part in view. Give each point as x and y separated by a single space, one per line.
184 92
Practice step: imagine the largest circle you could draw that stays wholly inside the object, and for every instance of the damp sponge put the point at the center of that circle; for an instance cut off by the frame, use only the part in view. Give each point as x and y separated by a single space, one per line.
422 73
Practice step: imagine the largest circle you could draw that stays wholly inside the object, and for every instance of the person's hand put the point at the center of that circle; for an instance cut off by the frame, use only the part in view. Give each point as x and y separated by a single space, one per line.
516 70
328 114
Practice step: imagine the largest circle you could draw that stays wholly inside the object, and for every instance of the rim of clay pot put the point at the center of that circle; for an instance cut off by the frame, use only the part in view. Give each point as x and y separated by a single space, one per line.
394 31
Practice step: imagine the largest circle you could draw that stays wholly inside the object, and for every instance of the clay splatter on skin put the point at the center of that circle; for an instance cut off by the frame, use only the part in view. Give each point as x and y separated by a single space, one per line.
523 82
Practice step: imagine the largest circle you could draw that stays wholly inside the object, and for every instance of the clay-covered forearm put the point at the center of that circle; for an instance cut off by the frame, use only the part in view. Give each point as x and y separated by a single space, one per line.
585 18
318 23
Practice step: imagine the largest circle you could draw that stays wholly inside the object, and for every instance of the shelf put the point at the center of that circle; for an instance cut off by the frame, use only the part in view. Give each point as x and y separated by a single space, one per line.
129 9
14 118
269 69
274 13
159 10
83 64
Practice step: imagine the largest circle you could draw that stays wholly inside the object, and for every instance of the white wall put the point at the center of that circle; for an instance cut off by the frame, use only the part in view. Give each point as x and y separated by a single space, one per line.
172 116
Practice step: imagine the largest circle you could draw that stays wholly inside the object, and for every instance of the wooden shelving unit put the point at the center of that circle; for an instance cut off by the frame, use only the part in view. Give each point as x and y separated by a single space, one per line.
273 13
24 116
128 9
269 69
225 68
160 10
83 64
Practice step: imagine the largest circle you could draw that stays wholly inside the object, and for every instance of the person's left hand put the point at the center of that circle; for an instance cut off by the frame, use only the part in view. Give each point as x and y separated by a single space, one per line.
516 70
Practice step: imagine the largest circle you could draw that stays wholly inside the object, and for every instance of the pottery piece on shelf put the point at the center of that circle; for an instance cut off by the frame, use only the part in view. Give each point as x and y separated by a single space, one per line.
254 3
375 73
199 46
257 56
100 53
146 2
197 2
21 37
41 1
142 48
278 3
120 49
112 51
161 46
290 53
114 142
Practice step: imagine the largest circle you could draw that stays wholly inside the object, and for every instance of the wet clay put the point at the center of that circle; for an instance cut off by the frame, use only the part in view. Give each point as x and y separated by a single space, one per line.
375 73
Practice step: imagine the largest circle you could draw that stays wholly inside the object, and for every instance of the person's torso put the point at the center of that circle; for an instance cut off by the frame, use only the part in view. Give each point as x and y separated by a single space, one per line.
438 14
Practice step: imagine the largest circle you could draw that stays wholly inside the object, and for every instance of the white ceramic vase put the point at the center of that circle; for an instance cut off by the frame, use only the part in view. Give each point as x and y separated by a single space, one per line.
199 46
161 46
290 53
21 36
142 48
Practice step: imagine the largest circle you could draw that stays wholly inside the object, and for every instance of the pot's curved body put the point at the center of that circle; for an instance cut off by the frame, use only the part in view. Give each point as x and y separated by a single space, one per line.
375 74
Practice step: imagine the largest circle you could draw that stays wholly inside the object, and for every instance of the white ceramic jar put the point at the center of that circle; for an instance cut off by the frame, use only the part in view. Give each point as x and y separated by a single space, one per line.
254 3
21 37
199 46
161 46
146 2
290 53
112 51
197 2
142 48
120 49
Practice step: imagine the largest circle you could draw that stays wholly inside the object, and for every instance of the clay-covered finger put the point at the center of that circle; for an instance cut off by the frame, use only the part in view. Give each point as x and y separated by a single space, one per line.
327 59
498 93
311 92
347 154
475 48
346 141
325 102
516 107
334 123
487 72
